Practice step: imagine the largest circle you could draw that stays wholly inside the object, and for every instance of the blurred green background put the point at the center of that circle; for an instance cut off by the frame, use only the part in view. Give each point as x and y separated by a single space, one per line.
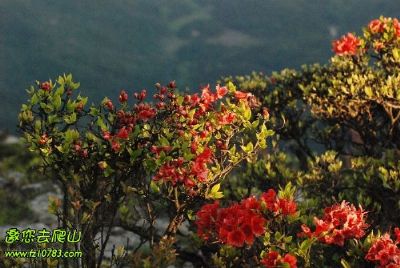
131 44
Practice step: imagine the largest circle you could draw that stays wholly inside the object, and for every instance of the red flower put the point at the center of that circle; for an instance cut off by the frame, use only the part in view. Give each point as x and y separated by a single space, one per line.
376 26
45 86
123 96
206 219
288 207
195 99
43 139
172 84
339 223
141 96
109 105
346 45
145 112
396 25
241 95
226 119
258 225
77 147
265 113
397 233
84 153
221 91
234 225
206 155
115 146
269 199
207 98
248 232
123 133
193 147
291 260
251 203
158 149
106 135
385 252
273 260
236 238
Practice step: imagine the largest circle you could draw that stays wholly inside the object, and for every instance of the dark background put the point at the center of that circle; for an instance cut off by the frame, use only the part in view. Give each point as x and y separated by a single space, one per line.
113 45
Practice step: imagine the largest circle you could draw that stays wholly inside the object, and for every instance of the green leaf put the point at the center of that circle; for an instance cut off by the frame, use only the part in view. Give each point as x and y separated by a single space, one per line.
82 100
248 148
59 91
231 87
396 54
70 119
93 111
57 102
135 153
278 236
53 118
246 112
34 99
345 264
154 187
101 124
215 193
38 125
71 105
368 91
71 135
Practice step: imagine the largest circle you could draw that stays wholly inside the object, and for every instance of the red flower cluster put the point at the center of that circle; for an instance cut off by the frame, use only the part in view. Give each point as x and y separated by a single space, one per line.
145 112
234 225
397 234
46 86
158 149
126 119
122 134
346 45
340 222
376 26
199 167
239 95
278 205
226 118
208 97
43 139
273 260
176 171
385 252
123 96
140 96
80 151
108 104
396 25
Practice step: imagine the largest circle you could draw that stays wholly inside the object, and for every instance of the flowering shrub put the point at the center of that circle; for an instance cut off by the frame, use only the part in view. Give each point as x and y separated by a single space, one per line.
332 132
241 224
337 126
339 223
347 45
154 158
384 251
